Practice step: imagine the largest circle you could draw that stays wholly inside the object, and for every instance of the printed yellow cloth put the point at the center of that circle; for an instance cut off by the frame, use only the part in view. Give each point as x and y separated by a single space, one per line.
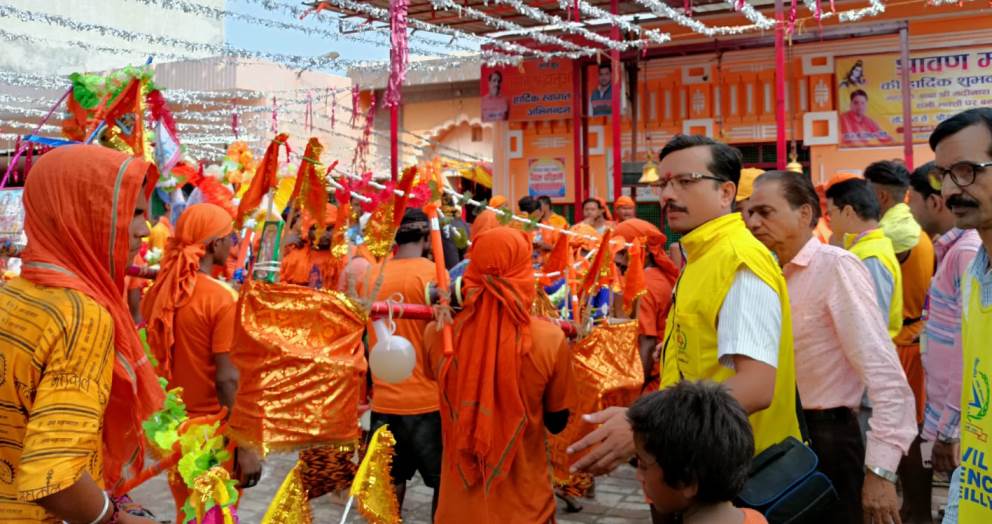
607 372
976 397
302 367
53 398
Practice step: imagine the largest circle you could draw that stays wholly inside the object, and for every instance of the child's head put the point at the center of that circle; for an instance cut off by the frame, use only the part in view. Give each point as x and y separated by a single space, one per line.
694 445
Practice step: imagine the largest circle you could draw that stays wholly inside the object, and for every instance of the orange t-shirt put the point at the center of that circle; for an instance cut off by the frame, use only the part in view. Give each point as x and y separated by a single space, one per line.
525 496
407 277
652 309
204 327
753 517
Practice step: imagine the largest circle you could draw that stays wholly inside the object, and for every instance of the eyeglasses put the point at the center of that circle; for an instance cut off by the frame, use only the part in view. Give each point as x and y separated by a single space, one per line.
963 174
682 181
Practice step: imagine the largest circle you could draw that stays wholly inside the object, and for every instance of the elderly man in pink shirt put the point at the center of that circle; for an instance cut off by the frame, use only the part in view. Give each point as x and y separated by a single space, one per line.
842 346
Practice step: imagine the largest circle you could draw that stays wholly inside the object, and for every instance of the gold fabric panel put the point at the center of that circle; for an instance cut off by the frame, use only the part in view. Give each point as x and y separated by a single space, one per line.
302 365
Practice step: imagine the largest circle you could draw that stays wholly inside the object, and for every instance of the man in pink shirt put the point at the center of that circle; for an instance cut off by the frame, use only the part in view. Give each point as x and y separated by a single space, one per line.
941 341
842 345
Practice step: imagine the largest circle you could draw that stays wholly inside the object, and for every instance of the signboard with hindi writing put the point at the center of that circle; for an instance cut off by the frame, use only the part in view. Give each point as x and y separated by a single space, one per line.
534 90
546 177
942 83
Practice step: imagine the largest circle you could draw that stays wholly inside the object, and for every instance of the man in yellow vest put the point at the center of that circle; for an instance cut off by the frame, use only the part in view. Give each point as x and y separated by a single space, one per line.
854 214
963 147
890 182
730 319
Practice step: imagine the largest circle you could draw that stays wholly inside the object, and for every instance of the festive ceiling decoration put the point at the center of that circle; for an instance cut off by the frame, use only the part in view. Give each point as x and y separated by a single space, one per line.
204 11
587 9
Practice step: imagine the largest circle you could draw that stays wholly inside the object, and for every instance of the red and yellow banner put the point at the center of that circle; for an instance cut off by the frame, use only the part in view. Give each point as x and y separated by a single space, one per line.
942 83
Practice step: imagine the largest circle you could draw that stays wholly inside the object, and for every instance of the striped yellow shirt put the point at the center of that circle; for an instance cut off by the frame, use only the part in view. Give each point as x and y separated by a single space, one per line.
56 350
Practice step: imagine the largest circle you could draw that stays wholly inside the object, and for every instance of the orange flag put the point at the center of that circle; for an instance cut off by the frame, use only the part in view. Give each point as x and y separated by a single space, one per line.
633 281
310 186
558 259
129 102
264 179
592 276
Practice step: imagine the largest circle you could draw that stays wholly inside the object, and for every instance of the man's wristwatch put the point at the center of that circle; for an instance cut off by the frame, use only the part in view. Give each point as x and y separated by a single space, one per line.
947 440
883 473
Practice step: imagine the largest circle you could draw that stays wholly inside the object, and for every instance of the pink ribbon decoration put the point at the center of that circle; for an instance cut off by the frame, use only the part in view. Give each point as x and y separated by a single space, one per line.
275 116
356 93
398 51
818 13
308 114
334 107
361 148
739 5
687 7
793 15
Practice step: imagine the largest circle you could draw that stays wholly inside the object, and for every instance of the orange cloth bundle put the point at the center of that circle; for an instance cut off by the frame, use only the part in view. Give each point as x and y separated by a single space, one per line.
607 371
302 367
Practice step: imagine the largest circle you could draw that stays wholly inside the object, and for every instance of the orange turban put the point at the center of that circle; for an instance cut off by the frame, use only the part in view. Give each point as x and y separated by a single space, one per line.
484 222
199 225
493 337
307 221
497 201
79 203
624 201
654 242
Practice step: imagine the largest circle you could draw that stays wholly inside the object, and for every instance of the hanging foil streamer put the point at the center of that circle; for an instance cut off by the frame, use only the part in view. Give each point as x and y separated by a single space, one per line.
356 93
398 52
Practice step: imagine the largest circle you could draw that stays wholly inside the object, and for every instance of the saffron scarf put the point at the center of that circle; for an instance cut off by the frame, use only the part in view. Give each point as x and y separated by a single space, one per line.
79 203
482 387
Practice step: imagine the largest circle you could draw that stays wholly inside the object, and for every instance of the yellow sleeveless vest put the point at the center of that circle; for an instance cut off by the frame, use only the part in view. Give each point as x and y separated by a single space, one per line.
976 421
715 251
876 244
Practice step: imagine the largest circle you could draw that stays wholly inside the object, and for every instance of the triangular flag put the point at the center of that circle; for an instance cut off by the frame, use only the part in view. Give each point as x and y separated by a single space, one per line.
373 488
290 504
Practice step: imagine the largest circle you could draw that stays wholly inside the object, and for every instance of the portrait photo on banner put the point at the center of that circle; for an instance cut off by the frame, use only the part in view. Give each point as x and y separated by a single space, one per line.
534 90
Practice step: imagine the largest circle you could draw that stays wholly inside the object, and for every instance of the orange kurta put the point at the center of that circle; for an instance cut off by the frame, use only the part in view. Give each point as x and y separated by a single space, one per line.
204 328
409 278
917 270
525 495
652 309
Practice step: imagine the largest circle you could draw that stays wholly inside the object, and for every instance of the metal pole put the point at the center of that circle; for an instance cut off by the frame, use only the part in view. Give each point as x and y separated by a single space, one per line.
780 142
907 99
577 136
615 115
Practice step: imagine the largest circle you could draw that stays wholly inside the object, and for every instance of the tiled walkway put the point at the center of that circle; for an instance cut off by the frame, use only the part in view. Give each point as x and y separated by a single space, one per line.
618 500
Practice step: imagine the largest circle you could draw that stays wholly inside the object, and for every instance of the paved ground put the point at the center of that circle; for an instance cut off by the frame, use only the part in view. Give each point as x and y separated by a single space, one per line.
618 499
